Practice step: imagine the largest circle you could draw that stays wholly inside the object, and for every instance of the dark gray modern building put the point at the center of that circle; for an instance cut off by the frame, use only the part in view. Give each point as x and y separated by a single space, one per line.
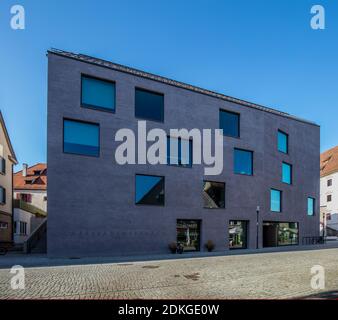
98 207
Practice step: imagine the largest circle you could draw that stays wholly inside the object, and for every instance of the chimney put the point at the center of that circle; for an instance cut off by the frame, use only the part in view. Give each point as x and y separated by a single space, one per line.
24 170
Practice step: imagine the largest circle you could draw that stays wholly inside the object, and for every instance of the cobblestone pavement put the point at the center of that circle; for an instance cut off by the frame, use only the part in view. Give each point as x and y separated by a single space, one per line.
264 275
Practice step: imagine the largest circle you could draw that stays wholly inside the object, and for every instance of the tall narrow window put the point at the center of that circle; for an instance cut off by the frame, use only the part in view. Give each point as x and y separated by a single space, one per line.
179 152
286 173
275 200
243 162
310 206
329 182
2 165
329 198
2 195
98 94
213 194
229 122
149 190
149 105
283 142
81 138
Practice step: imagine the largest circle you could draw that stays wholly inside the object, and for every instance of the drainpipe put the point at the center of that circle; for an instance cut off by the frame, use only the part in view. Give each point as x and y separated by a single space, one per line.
257 226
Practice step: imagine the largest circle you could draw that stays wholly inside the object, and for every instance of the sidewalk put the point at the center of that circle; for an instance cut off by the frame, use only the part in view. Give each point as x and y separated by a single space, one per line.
42 260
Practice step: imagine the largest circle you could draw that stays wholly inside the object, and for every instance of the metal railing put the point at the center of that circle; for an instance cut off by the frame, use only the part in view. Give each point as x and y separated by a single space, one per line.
313 240
29 208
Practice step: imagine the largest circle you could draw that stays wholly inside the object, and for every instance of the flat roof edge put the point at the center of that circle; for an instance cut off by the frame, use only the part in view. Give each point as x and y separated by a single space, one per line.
182 85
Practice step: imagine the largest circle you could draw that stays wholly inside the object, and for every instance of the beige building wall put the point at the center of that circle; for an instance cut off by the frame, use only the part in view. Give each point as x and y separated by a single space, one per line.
6 181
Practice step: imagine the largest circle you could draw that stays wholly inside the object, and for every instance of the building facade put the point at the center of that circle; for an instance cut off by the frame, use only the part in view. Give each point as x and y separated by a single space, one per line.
30 200
266 195
7 161
329 190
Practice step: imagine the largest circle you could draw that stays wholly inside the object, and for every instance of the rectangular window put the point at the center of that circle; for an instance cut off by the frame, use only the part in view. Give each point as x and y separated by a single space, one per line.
329 182
283 142
98 94
2 195
14 227
329 198
149 190
2 165
23 228
213 194
286 173
3 225
243 162
276 200
310 206
179 152
280 234
188 234
149 105
229 122
81 138
238 234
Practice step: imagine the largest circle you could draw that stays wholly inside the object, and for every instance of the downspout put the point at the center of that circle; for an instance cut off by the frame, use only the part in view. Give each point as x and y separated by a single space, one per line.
12 204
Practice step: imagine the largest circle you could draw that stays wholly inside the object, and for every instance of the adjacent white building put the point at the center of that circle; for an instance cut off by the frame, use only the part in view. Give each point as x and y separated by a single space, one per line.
30 200
329 190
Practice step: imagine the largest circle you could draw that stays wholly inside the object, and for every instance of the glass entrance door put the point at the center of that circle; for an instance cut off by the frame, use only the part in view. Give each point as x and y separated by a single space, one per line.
188 234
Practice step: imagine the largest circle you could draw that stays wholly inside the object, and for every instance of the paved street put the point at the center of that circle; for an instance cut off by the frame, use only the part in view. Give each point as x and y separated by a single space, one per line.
264 275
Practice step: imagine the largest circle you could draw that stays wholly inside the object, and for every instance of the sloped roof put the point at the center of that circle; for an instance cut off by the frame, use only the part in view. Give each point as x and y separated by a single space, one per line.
150 76
36 178
329 162
12 156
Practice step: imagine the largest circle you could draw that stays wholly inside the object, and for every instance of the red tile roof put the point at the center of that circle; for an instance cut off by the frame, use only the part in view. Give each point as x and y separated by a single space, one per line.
329 162
36 178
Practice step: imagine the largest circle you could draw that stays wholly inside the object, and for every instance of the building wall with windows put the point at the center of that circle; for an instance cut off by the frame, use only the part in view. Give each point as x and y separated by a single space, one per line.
7 160
97 207
329 187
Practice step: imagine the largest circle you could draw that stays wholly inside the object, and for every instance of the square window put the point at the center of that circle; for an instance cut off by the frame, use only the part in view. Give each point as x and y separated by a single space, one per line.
229 122
179 152
213 194
97 94
81 138
283 142
243 162
149 190
310 206
149 105
275 200
286 173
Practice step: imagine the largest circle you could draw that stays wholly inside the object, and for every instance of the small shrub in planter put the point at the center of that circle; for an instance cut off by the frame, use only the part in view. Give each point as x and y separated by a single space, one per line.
173 247
210 245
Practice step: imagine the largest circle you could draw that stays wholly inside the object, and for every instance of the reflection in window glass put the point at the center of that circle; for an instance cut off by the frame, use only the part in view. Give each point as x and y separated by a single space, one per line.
287 233
286 173
149 190
149 105
282 142
98 94
243 162
238 234
276 200
310 206
213 194
179 152
188 234
81 138
229 122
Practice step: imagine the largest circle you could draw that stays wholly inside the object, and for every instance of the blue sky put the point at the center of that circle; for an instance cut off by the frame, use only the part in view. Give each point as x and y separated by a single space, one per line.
261 51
